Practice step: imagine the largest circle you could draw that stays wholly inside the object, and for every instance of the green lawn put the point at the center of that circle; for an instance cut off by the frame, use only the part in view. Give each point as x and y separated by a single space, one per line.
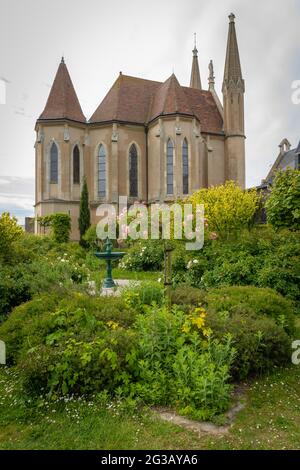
131 275
270 420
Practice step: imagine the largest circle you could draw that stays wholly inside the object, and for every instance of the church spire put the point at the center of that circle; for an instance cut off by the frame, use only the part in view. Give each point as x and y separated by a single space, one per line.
195 81
232 70
233 98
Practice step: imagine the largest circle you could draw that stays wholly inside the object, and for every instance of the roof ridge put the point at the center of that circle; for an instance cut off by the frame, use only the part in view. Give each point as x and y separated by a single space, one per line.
118 84
140 78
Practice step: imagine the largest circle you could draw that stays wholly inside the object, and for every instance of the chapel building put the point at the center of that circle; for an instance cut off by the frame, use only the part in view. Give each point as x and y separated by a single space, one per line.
150 141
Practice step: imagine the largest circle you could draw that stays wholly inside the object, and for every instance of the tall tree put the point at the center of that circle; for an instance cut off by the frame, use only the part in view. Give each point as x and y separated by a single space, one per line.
84 220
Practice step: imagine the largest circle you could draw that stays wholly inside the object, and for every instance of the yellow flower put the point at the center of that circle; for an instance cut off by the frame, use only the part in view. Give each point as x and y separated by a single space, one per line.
113 325
207 332
185 328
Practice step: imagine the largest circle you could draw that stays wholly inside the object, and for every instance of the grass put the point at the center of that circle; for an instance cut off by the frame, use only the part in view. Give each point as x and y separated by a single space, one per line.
270 420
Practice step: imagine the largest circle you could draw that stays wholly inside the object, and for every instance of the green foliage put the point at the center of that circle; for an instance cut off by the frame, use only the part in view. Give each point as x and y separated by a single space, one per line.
76 344
187 297
90 238
41 266
61 227
248 299
261 257
178 365
60 224
141 295
260 343
10 232
260 322
84 220
144 255
227 208
283 205
14 289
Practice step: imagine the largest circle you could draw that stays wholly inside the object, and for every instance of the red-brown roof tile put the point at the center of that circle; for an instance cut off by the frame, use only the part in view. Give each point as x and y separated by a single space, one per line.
170 99
137 100
127 100
62 101
205 109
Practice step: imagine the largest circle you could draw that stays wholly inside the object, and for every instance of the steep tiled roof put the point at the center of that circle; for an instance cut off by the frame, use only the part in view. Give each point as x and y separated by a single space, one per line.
205 109
62 101
137 100
127 100
169 99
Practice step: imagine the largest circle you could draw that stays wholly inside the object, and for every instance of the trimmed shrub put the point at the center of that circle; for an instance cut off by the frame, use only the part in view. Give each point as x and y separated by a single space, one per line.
259 342
71 345
260 322
254 300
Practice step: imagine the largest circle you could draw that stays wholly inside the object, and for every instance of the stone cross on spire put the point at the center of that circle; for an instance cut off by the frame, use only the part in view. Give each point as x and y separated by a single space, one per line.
195 81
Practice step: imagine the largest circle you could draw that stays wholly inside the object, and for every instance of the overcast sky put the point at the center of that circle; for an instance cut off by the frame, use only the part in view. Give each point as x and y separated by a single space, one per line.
147 39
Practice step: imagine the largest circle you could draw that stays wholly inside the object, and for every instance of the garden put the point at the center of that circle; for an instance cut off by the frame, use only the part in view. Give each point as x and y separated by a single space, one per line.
109 366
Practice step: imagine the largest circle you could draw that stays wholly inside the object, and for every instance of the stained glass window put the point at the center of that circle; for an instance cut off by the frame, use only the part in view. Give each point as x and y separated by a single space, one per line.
133 171
170 167
185 167
54 164
76 165
101 171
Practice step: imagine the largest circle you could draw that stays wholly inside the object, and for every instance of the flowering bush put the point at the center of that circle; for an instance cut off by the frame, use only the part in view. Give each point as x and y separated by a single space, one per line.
80 344
227 208
261 257
180 364
10 232
144 255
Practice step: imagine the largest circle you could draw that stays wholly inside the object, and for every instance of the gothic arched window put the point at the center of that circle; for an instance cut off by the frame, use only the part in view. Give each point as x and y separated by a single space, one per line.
54 164
76 165
101 171
185 167
170 167
133 171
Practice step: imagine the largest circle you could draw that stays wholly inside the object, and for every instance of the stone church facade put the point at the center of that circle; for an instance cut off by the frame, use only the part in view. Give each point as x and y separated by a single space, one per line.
150 141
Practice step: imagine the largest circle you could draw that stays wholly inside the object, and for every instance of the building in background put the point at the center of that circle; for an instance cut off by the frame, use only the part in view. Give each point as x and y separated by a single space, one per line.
150 141
287 158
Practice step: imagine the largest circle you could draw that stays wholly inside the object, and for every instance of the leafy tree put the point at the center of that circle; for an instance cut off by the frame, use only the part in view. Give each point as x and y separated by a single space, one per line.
84 220
283 205
10 231
227 208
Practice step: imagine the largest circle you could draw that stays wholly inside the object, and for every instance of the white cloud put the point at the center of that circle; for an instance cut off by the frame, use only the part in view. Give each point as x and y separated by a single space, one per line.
17 197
